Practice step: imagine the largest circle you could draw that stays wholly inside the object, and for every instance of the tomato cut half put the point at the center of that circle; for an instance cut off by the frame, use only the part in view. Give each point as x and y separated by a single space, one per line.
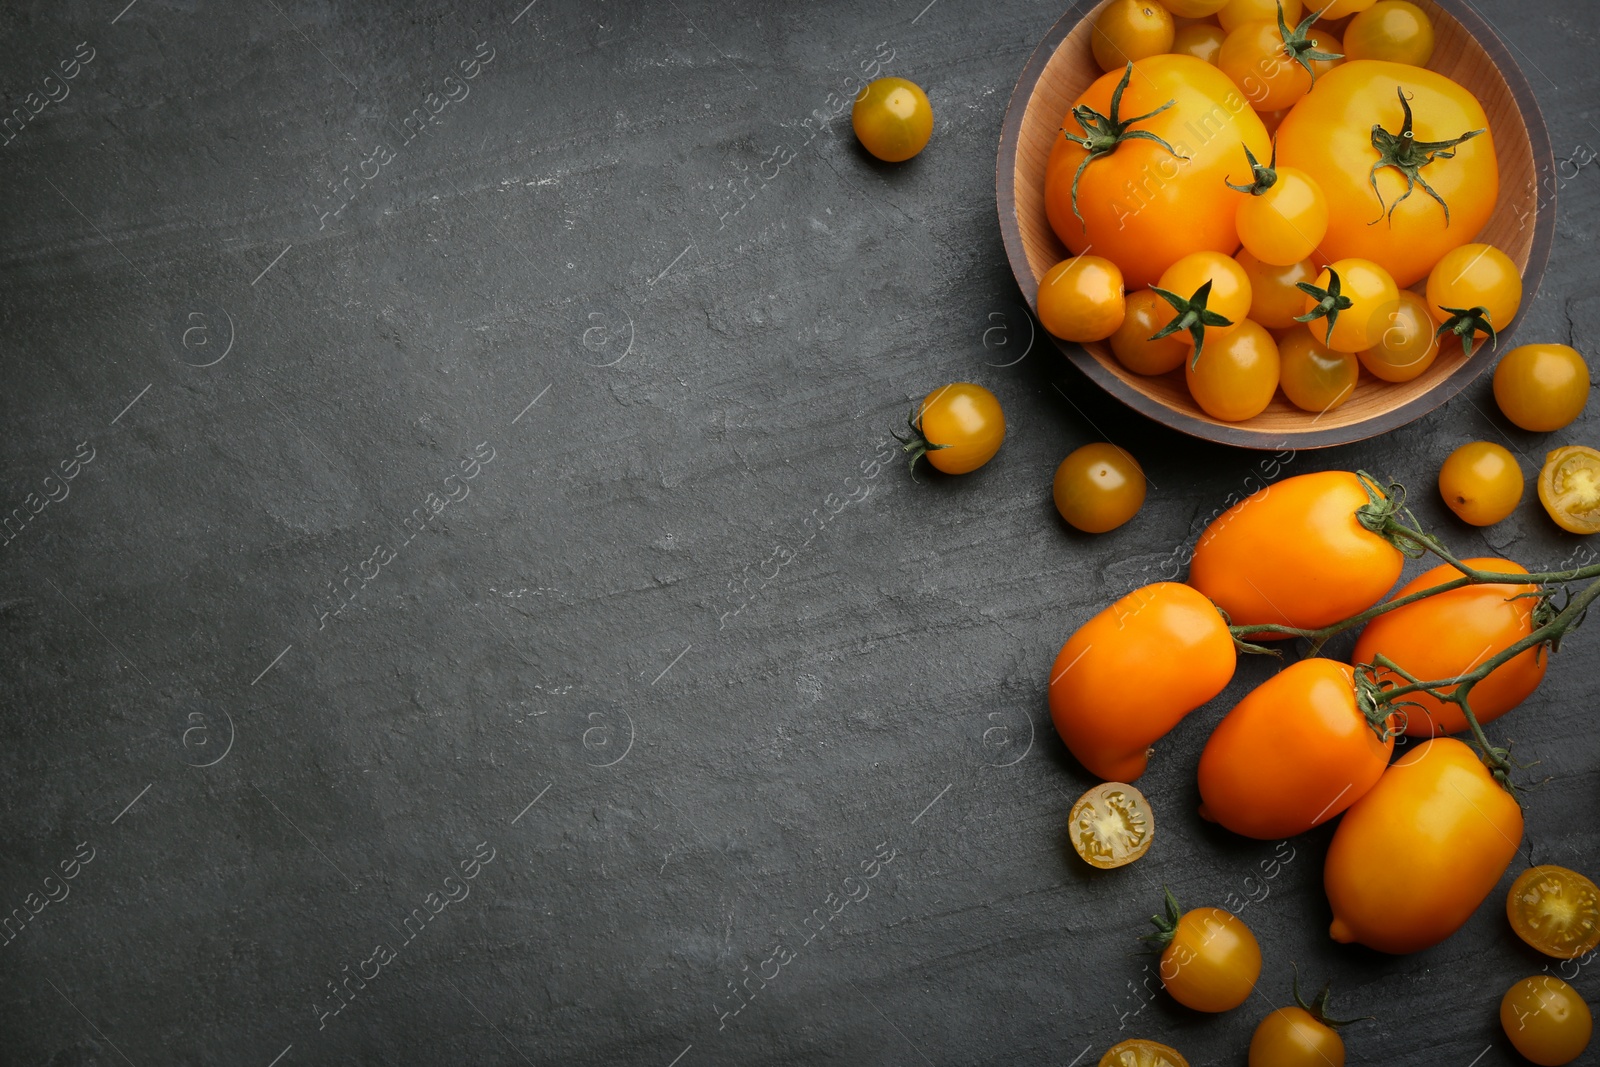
1142 1053
1556 911
1569 488
1112 825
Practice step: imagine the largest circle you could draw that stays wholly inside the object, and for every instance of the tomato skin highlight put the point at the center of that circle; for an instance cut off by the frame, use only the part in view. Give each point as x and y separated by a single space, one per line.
1167 636
1213 961
1235 377
1542 387
1292 754
1295 554
1081 299
966 419
1449 634
1292 1037
1412 860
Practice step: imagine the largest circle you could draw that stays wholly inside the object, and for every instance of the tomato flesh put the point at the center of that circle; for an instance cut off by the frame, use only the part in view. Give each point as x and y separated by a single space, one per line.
1556 911
1569 488
1141 1053
1112 825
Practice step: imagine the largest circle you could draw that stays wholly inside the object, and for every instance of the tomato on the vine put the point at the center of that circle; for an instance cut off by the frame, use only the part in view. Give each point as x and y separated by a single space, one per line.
1292 754
1481 483
1131 29
1412 860
1234 378
1081 299
1408 345
1546 1020
1474 289
1138 1052
959 428
1391 30
1169 637
1210 960
1285 216
1569 488
1112 825
1147 314
1542 387
1555 910
893 119
1330 134
1446 635
1350 304
1098 487
1315 377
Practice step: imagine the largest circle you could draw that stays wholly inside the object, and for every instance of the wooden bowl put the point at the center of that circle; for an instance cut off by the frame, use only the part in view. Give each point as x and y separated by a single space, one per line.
1467 50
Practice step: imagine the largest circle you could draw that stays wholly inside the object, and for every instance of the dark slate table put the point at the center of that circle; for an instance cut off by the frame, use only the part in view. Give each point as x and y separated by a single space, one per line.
479 628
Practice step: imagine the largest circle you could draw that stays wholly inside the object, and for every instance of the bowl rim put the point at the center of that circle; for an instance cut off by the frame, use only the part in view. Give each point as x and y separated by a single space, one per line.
1487 37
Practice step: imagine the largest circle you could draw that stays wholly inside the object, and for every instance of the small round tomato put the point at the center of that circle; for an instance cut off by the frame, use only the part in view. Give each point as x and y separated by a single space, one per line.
1284 217
1542 387
1412 860
1340 8
1147 314
1473 290
1352 304
1199 39
1271 64
1556 911
1209 294
1234 378
959 428
893 119
1141 1053
1131 29
1481 483
1391 30
1569 488
1194 9
1409 343
1295 554
1081 299
1301 1035
1315 377
1275 300
1449 634
1210 961
1292 754
1273 119
1236 13
1169 637
1546 1020
1112 825
1098 488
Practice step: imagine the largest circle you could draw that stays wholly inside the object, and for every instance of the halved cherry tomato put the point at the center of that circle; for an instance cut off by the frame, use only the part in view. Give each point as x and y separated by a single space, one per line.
1546 1020
1112 825
1131 29
1542 387
1354 302
1141 1053
1236 13
1295 554
1481 483
1211 960
1556 911
1473 290
1569 488
1235 377
1412 860
1391 30
893 119
1199 39
1168 636
1081 299
1446 635
1409 343
1292 754
959 428
1098 487
1274 301
1314 377
1284 217
1147 314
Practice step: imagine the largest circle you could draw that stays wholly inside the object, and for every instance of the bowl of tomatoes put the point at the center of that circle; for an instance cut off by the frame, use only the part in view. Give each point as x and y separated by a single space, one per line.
1171 196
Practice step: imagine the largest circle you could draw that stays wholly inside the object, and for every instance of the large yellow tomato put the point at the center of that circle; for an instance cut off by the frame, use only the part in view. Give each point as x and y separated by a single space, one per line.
1145 205
1330 136
1413 859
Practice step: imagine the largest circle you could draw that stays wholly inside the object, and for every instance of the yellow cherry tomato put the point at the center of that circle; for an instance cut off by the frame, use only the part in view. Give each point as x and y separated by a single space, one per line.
1256 56
1138 1052
1193 9
1234 379
1354 318
1112 825
1546 1020
959 428
1228 295
1569 488
1275 302
1542 387
1391 30
1236 13
1199 39
1556 911
1131 29
1211 960
1081 299
1147 314
1473 290
1481 483
1285 221
1409 343
893 119
1314 377
1340 8
1098 488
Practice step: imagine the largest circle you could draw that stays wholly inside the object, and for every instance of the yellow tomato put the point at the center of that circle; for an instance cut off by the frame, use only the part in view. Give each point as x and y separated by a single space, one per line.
1210 296
1392 30
1236 13
893 119
1131 29
1358 298
1081 299
1199 39
1408 345
1234 378
1132 344
1275 300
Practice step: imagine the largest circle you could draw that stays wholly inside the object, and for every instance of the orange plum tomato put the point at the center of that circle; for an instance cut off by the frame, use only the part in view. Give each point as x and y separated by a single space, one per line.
1199 39
1235 378
1474 290
1112 825
1294 553
1132 344
1556 911
1330 135
1081 299
1481 483
1275 299
1166 635
1131 29
1352 305
1292 754
1200 287
893 119
1283 217
1210 961
1408 345
1137 1052
1412 860
1146 204
1449 634
1542 387
1314 377
1098 488
959 428
1236 13
1391 30
1546 1020
1569 488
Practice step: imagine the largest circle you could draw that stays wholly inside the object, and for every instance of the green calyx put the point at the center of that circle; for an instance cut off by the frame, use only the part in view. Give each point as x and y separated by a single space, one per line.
1467 324
1381 514
1330 302
1192 316
915 442
1103 133
1265 177
1405 153
1300 47
1318 1008
1166 925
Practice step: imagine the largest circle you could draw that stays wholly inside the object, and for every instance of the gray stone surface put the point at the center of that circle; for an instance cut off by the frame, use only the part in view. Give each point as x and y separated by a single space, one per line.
711 743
